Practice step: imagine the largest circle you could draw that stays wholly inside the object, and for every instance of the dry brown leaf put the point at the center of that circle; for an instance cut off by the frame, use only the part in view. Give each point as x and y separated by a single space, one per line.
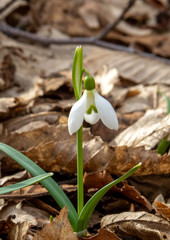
110 78
125 120
142 11
139 224
19 215
132 193
123 159
101 179
7 71
6 225
52 84
49 146
6 105
52 12
17 176
103 234
11 8
44 206
139 98
29 80
27 192
53 149
59 228
15 123
132 67
161 207
107 12
148 131
161 102
19 231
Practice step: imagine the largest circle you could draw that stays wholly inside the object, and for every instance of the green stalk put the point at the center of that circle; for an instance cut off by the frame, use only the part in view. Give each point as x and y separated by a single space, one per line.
80 191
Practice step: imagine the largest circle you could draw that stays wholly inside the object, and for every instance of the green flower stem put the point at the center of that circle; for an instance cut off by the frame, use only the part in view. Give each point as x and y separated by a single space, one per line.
80 191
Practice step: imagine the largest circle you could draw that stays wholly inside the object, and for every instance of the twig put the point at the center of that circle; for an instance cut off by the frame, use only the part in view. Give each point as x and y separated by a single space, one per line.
114 24
13 32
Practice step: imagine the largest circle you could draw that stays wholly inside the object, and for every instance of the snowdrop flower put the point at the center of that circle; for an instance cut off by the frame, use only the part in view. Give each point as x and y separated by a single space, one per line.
91 107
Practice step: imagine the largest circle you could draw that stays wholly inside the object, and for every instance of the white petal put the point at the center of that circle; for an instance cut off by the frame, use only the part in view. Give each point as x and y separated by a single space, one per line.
106 111
91 118
76 115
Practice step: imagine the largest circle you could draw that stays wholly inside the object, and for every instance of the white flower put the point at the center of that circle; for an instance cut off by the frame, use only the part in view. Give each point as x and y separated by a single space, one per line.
91 107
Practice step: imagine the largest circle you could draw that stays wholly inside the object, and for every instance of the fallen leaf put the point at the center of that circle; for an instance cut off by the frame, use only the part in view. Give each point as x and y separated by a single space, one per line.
40 141
108 11
7 71
17 176
6 105
59 227
161 102
137 69
103 234
6 225
101 179
44 206
110 78
27 192
148 131
123 158
17 214
139 224
138 98
19 231
52 84
15 123
11 8
161 207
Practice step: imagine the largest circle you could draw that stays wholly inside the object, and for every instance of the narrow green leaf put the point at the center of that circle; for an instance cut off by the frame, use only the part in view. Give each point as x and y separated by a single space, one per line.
88 209
163 146
25 183
77 72
167 101
52 187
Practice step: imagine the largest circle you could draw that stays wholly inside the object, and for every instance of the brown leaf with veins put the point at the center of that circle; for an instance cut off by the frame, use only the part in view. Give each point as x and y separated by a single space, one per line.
101 179
59 229
103 234
132 67
53 149
161 207
144 225
19 231
148 131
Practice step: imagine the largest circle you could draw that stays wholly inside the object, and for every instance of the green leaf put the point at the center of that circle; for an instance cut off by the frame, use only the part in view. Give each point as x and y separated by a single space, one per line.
52 187
25 183
88 209
163 146
167 101
77 72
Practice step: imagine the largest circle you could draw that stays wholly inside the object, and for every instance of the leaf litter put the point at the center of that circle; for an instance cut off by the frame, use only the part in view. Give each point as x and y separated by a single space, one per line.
36 96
